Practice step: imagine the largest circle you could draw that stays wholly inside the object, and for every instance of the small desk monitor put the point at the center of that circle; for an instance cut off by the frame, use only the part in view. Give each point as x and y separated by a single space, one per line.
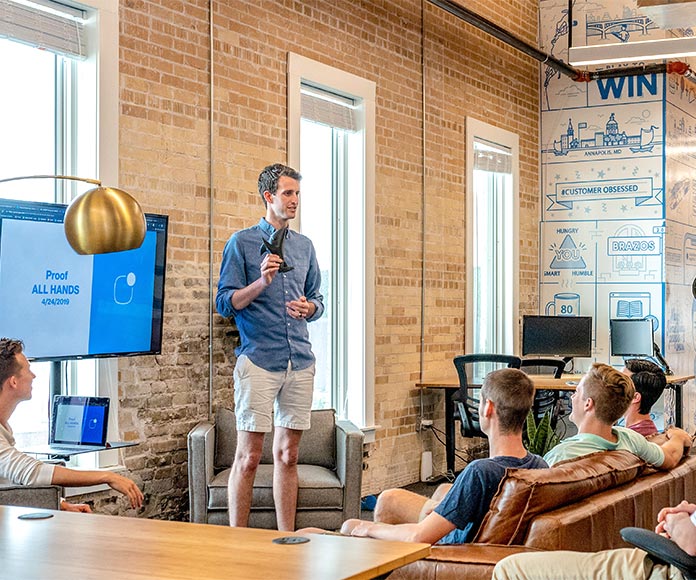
566 336
631 337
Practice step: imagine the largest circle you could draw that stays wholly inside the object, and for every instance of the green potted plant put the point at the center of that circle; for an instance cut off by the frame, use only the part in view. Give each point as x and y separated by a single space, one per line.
540 438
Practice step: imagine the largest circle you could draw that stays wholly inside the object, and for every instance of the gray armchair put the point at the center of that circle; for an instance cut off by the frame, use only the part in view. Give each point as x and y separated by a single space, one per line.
43 497
329 472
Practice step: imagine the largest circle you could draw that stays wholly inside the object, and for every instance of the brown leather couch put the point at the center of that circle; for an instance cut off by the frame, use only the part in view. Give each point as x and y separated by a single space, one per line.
580 504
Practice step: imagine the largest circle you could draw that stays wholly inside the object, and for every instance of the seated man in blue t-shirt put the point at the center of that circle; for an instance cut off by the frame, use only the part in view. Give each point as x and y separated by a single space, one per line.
600 399
506 398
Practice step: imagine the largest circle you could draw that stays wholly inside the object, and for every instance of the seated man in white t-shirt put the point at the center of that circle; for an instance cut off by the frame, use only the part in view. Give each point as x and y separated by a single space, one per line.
601 398
21 469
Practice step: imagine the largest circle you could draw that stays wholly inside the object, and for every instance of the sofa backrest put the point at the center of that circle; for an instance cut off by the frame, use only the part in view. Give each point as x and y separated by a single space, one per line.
317 446
525 493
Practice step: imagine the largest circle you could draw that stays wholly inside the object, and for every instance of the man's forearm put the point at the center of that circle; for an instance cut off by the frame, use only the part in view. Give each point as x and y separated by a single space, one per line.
394 533
682 531
245 296
66 476
673 450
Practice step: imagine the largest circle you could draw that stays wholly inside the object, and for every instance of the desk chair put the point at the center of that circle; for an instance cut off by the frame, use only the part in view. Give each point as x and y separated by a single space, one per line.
545 400
471 369
661 550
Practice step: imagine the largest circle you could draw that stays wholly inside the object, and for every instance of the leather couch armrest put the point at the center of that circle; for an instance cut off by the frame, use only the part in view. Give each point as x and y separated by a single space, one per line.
201 459
476 553
470 561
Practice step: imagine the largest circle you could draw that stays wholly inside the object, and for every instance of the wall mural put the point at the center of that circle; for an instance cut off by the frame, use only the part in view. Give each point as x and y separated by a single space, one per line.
618 224
602 227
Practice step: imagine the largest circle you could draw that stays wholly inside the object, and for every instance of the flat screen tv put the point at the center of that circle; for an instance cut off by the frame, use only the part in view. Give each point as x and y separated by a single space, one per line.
631 337
557 336
66 306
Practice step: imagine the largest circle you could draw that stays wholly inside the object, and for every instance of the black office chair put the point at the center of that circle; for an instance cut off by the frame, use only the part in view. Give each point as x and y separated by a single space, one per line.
471 369
545 400
661 550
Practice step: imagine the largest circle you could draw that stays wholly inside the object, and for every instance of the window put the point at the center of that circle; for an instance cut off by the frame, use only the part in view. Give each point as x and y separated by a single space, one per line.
492 238
61 63
331 142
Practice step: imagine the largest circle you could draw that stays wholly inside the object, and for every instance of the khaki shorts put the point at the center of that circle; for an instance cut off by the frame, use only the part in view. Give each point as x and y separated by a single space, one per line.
264 398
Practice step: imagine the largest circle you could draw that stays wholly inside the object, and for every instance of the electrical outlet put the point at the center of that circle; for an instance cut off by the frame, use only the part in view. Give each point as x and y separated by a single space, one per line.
423 424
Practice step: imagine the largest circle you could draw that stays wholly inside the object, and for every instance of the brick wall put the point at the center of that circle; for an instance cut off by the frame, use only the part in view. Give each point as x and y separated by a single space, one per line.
164 161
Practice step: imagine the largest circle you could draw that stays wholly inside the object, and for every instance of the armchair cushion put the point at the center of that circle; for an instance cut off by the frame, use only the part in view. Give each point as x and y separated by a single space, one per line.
317 488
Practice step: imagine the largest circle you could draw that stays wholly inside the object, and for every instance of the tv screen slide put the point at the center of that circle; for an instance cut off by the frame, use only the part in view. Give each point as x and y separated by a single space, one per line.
65 305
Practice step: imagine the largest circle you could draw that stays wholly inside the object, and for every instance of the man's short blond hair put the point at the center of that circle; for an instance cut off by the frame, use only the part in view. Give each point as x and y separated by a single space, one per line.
611 390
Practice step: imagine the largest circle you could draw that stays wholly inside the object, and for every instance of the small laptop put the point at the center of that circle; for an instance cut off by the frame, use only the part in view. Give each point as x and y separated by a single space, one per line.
78 425
79 422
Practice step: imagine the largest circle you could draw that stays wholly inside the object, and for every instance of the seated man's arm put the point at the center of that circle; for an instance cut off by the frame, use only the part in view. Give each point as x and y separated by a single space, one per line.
22 469
683 506
682 531
430 530
72 477
66 506
673 448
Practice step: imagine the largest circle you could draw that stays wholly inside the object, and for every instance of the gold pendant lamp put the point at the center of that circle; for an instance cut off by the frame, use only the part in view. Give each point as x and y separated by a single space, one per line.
101 220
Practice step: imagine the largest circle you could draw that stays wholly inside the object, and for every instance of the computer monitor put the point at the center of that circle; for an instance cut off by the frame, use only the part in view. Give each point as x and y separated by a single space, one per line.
631 337
567 336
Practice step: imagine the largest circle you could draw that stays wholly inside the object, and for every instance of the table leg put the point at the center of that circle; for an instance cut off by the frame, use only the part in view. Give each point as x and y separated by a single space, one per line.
450 432
673 400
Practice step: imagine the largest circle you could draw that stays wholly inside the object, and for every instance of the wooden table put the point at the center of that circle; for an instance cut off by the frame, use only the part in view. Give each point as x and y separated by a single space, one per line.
69 546
565 383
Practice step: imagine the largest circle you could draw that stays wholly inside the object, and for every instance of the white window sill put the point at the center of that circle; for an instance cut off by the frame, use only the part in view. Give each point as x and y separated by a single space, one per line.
369 433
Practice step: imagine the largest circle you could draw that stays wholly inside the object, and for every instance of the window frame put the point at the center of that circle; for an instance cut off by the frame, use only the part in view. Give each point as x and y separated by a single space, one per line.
304 69
96 132
102 31
476 129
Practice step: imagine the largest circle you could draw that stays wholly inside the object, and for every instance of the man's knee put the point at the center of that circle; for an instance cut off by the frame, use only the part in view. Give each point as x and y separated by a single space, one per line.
286 447
391 507
247 461
441 491
286 455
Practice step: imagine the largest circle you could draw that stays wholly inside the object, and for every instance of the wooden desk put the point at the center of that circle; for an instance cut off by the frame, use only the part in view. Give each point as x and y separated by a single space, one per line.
565 383
70 545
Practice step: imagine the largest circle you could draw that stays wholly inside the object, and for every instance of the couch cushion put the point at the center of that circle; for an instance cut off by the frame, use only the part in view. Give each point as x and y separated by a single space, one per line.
318 488
317 446
525 493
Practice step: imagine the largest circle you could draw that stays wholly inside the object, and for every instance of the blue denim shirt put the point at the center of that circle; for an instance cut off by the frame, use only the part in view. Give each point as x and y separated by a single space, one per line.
270 337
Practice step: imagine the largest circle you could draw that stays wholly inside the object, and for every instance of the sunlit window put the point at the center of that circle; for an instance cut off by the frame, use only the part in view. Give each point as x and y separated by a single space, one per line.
492 208
331 140
49 120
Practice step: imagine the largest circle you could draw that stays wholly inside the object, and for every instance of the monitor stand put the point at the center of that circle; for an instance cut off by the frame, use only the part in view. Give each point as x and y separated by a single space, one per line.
657 355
